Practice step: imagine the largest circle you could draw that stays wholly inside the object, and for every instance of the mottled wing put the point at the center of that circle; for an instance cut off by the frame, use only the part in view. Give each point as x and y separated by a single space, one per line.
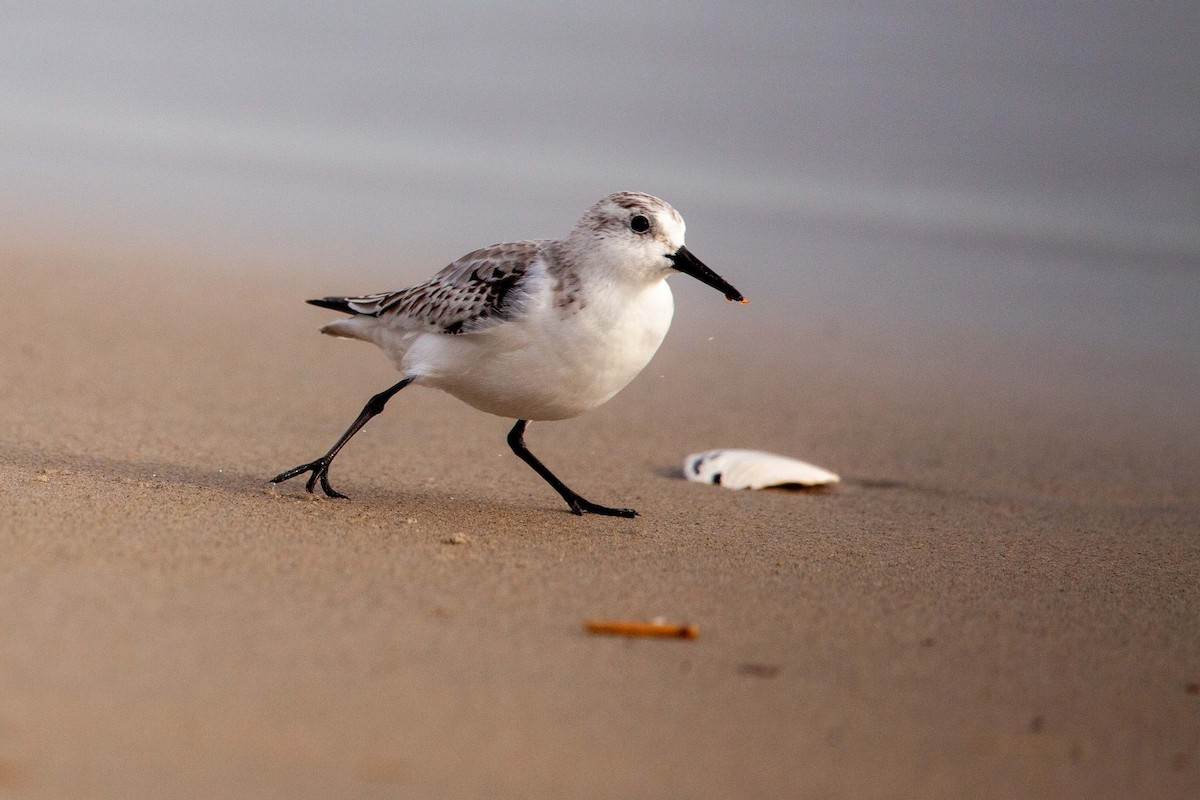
479 290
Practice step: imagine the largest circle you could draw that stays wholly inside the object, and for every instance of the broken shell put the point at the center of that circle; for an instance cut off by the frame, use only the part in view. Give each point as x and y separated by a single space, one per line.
753 469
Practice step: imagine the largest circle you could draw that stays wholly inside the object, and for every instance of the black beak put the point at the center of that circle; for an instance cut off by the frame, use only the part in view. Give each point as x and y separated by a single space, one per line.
688 264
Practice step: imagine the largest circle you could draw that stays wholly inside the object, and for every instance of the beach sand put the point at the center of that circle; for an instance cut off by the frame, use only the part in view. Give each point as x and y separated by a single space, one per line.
1000 600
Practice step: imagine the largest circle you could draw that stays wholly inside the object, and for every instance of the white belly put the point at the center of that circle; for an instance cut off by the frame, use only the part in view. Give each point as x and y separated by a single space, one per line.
543 366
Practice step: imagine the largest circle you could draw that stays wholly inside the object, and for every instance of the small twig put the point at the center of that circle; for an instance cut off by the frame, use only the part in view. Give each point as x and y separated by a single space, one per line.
627 627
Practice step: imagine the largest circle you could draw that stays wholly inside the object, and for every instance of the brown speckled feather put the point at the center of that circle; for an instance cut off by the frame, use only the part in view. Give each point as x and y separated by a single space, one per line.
479 290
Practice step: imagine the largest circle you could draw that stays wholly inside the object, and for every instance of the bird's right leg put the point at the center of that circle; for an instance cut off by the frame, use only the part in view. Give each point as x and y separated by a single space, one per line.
320 467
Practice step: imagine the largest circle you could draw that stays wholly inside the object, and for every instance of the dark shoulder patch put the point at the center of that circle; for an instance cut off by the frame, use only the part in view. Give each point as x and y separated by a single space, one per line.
492 295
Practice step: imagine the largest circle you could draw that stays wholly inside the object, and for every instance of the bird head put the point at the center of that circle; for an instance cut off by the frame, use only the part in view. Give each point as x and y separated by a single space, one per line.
642 236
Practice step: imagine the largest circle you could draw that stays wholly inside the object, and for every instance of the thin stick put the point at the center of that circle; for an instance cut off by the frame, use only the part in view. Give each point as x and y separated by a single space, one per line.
629 627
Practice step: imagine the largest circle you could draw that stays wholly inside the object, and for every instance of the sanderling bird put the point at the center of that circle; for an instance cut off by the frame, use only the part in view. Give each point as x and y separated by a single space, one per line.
535 330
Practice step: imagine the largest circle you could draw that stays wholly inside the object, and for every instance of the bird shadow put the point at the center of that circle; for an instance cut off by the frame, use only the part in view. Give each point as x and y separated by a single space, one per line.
245 484
131 470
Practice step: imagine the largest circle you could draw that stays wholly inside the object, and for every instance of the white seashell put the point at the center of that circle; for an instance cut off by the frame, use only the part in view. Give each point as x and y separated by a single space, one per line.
753 469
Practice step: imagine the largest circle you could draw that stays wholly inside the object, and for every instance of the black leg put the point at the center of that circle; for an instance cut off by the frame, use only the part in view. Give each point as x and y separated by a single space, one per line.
320 467
516 440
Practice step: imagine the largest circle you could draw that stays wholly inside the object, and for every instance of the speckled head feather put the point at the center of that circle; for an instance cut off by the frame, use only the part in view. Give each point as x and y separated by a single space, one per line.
611 215
628 236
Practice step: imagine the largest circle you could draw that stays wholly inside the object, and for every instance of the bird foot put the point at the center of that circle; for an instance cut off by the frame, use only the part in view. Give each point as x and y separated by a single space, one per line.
320 474
579 506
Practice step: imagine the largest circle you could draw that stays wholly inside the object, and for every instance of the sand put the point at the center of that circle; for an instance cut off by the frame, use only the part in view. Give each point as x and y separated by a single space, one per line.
1001 600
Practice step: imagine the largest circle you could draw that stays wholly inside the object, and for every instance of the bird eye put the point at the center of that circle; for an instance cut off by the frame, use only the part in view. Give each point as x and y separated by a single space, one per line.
639 224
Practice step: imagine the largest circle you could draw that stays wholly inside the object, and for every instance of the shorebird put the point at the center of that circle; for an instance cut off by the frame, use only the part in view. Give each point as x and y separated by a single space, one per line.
535 330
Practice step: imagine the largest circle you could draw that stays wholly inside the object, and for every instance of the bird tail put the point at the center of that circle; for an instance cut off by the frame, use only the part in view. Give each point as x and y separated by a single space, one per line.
356 326
335 303
351 328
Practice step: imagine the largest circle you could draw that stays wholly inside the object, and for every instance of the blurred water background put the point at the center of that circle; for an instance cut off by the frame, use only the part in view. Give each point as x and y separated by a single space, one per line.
1017 168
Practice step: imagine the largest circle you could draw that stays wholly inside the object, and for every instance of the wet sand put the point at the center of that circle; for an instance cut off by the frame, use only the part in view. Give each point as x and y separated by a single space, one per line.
1001 600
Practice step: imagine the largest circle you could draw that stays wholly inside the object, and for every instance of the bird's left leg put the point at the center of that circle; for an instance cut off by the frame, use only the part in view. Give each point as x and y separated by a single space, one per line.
578 504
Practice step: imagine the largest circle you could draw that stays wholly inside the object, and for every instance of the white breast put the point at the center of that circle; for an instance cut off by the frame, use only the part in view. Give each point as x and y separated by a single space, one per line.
551 363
